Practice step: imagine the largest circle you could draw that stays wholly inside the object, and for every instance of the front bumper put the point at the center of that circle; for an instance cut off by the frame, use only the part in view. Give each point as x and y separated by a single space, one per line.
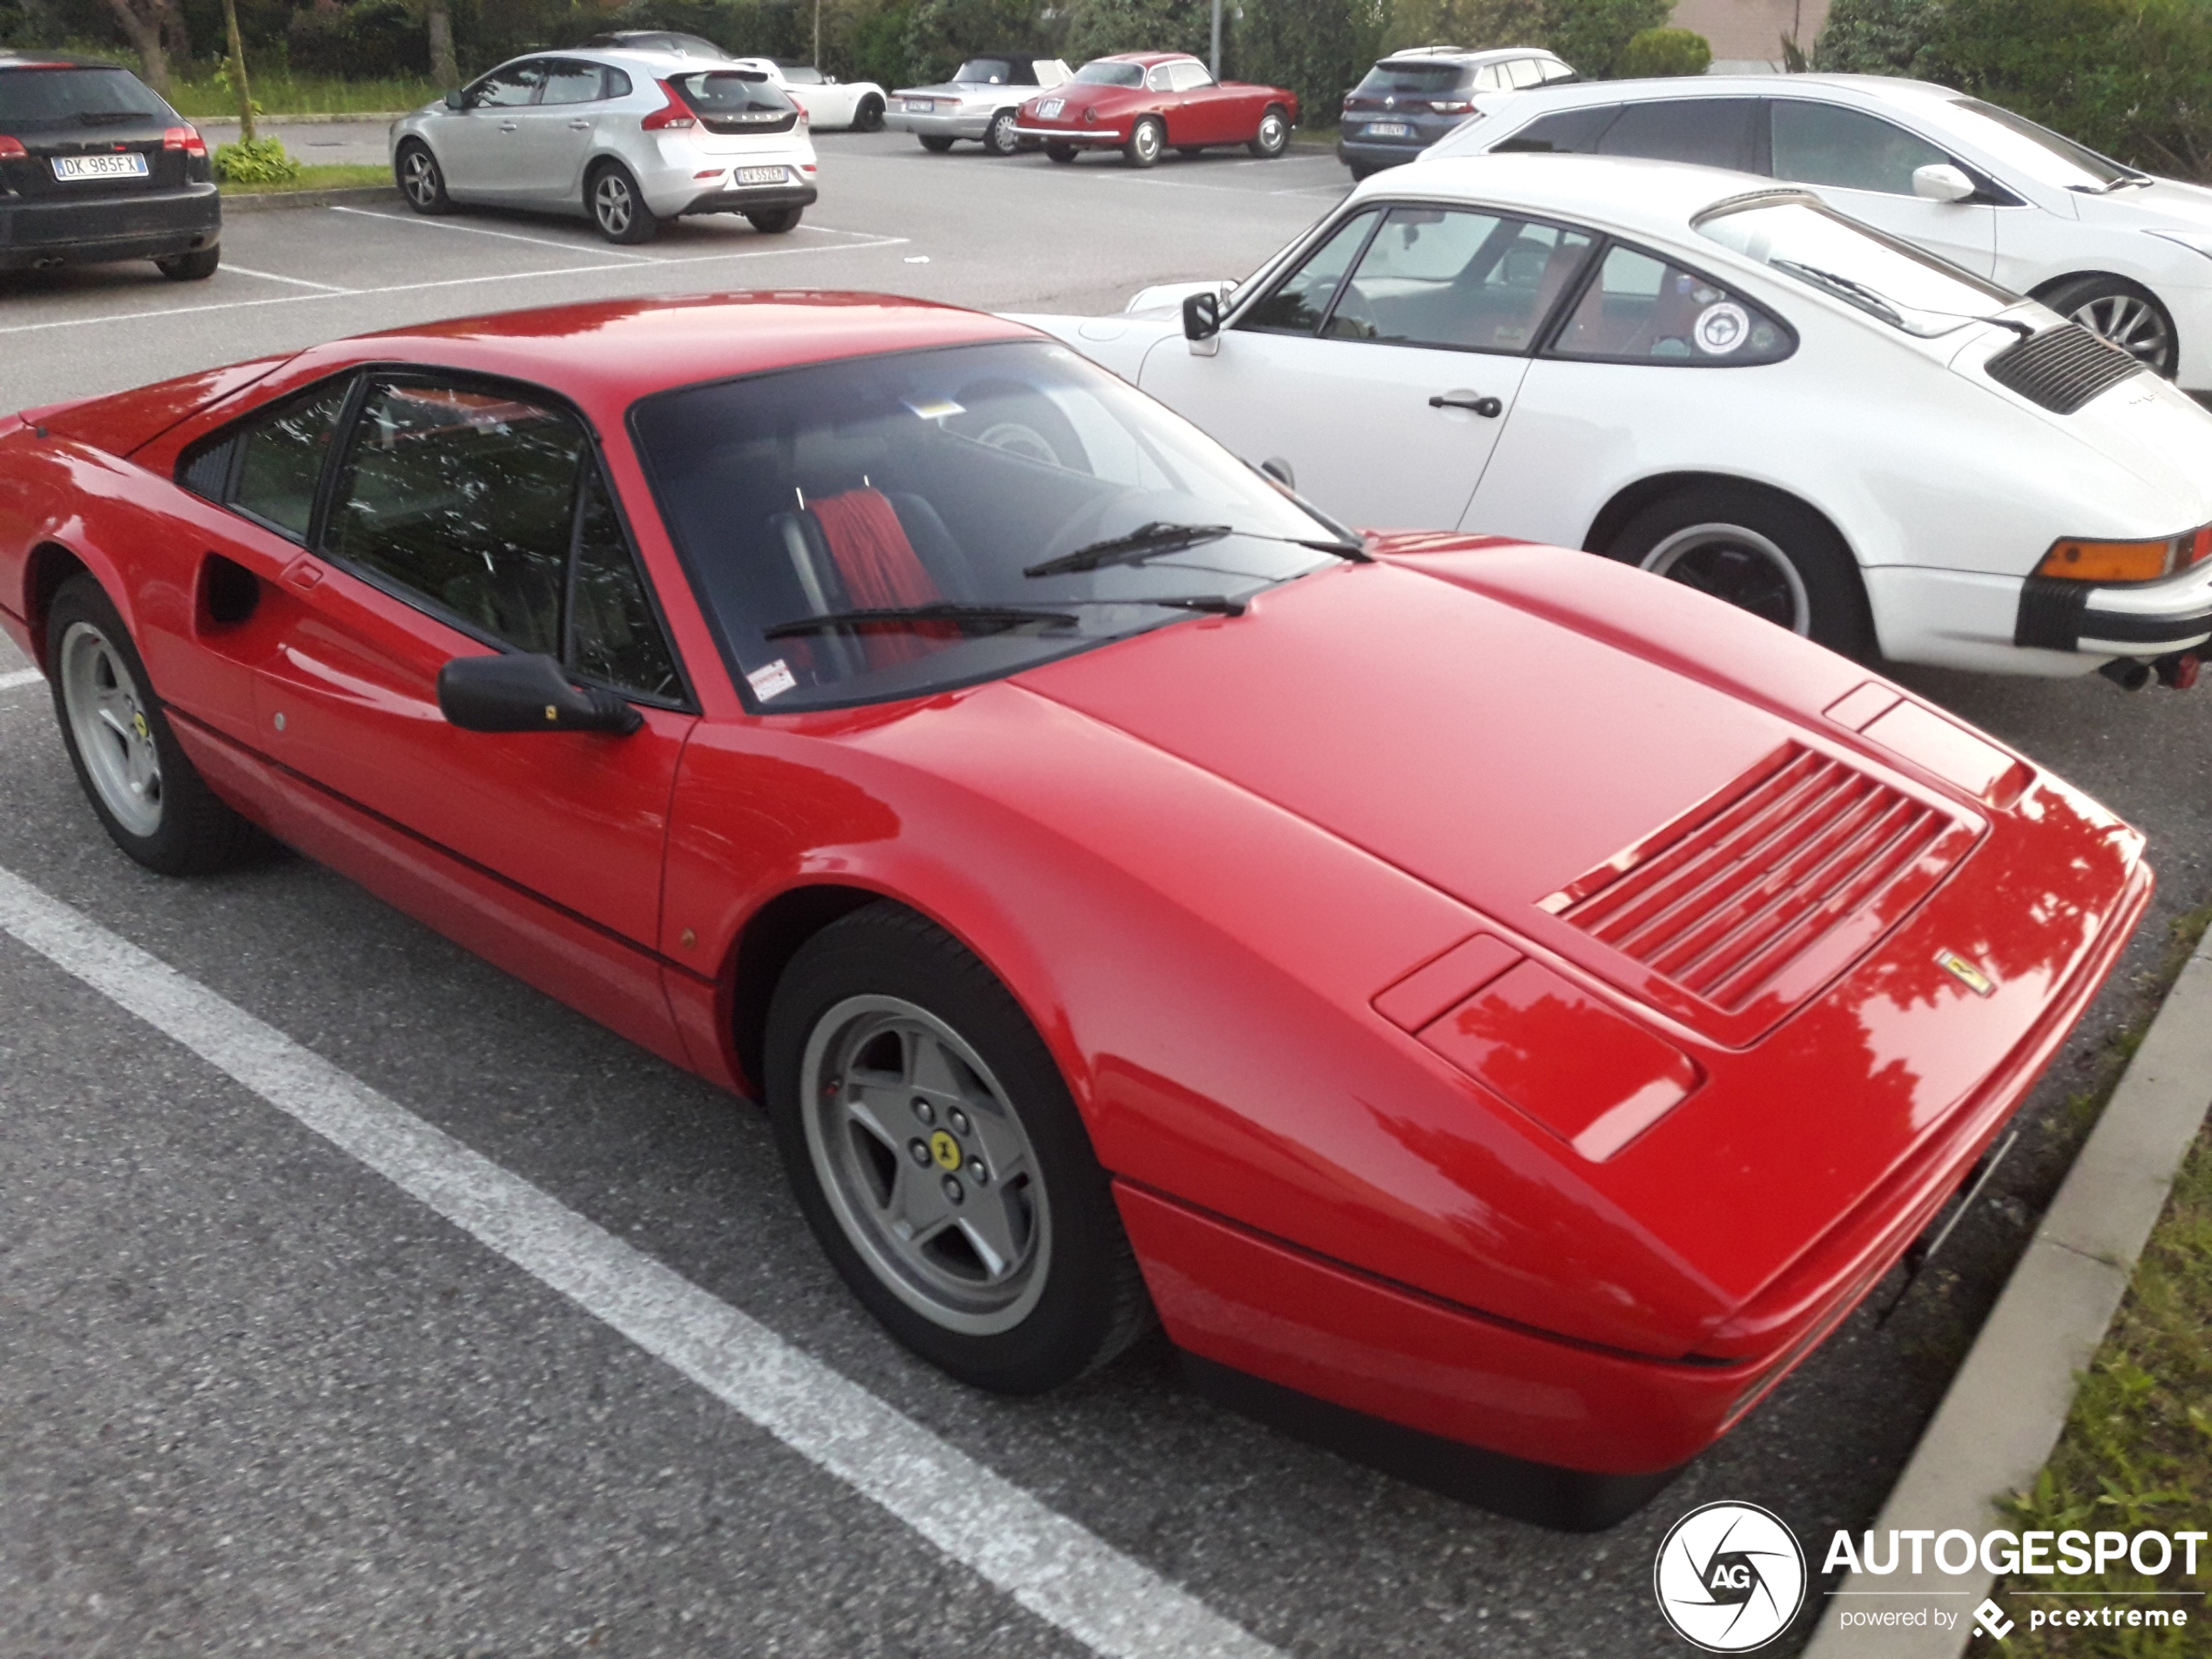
967 124
2147 621
1078 136
155 226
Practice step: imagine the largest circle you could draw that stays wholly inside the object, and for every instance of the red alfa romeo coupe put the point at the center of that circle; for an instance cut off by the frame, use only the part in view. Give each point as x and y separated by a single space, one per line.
1480 1030
1140 103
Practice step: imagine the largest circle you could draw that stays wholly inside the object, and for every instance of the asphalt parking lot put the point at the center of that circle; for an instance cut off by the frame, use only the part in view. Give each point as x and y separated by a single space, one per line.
254 1396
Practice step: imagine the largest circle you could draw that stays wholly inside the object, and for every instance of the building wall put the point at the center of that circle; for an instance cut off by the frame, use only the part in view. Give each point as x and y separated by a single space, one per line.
1751 30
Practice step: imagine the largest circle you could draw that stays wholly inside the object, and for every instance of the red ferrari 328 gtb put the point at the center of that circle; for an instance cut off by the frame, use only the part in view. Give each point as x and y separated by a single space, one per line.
1140 103
1478 1027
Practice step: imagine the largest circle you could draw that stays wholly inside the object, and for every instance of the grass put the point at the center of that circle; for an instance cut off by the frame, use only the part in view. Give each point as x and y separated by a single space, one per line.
335 176
2137 1449
279 93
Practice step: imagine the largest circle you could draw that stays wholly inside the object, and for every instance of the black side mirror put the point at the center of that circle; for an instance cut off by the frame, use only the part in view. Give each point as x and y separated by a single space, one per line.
521 692
456 100
1202 316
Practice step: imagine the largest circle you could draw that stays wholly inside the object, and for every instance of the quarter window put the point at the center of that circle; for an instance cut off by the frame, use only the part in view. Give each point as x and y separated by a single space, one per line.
280 459
1824 144
1441 277
1569 132
1639 308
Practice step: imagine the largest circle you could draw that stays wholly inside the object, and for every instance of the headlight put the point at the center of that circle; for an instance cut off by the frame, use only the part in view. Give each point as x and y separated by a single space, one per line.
2196 241
2076 560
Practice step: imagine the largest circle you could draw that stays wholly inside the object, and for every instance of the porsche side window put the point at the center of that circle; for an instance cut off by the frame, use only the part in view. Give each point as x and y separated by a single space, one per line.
1824 144
613 635
1642 309
1441 277
1301 300
269 469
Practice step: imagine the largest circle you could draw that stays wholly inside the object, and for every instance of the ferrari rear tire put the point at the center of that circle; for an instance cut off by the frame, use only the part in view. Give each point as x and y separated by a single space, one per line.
1000 137
1146 139
939 1160
143 788
869 117
195 266
1760 551
1063 153
774 222
936 144
420 179
617 206
1274 134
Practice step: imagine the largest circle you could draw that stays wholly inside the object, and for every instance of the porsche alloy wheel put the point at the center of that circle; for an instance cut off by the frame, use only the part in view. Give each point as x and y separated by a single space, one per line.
421 180
1274 134
617 209
108 720
939 1160
2124 314
1146 139
1739 565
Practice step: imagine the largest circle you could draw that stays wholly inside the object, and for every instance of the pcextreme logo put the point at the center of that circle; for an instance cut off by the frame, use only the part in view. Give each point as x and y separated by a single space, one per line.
1730 1577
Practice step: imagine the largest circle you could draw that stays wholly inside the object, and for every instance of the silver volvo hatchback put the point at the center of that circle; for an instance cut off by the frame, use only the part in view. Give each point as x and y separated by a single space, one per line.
628 138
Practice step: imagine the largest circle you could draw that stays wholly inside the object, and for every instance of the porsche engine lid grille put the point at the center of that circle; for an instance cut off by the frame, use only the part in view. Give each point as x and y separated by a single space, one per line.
1769 887
2062 368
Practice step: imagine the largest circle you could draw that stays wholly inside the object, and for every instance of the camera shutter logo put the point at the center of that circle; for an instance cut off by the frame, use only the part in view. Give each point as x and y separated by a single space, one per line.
1730 1577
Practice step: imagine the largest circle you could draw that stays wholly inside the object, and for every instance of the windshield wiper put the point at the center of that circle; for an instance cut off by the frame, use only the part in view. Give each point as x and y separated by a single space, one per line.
1145 542
1857 292
2132 179
976 619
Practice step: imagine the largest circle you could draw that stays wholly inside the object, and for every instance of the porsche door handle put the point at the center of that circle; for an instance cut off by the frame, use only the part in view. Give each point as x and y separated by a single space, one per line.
507 126
1488 408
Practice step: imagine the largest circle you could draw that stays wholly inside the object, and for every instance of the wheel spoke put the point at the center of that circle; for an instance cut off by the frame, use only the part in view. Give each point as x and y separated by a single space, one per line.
918 1210
988 1225
930 1071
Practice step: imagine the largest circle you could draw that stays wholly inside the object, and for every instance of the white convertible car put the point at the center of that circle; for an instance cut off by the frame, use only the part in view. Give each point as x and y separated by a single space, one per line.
1725 383
828 102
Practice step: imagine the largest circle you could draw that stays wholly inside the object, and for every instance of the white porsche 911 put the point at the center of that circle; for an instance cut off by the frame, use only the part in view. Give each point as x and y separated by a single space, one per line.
1723 381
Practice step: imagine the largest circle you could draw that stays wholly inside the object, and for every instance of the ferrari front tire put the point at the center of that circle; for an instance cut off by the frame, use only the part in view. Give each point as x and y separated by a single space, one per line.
143 788
938 1158
1146 139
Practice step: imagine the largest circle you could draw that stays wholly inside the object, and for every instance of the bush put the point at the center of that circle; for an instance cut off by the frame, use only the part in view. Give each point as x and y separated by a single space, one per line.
1593 35
1666 51
1097 27
1876 36
263 161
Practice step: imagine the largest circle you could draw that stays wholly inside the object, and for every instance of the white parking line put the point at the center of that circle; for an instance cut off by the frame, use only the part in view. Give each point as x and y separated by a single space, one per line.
271 276
445 282
1058 1569
21 677
480 229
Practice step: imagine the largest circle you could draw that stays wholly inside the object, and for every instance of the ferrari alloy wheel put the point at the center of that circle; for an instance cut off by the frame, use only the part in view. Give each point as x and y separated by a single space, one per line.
142 786
1274 134
939 1160
618 208
1146 139
999 137
2124 314
422 181
1760 552
869 117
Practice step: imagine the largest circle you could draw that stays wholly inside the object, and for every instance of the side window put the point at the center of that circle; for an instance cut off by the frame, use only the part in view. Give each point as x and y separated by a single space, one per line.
1188 78
1639 308
1555 71
1569 132
279 462
1441 277
570 82
1524 72
613 635
1710 131
1158 79
1824 144
1491 77
1301 300
509 88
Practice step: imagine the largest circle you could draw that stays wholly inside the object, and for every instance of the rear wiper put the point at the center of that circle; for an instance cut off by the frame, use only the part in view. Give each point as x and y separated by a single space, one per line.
1145 542
1857 292
971 619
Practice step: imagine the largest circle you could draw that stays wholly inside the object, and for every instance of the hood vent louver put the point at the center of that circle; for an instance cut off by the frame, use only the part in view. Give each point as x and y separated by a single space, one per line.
2062 368
1758 895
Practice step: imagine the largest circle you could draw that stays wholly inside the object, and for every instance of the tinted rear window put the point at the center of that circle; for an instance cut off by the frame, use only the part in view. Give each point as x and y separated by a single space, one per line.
1708 131
730 91
58 97
1415 78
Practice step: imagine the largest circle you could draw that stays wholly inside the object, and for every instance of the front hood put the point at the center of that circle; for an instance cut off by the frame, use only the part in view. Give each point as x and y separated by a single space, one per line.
2161 204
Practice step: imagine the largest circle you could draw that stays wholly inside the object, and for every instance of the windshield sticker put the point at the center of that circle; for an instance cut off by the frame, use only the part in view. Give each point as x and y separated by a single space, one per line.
937 408
1721 328
771 681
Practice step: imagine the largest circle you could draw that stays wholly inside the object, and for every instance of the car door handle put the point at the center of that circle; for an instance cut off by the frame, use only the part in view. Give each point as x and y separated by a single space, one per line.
505 126
579 126
1488 408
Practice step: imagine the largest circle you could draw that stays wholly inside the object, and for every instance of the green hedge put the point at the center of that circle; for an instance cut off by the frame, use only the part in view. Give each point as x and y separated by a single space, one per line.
1666 51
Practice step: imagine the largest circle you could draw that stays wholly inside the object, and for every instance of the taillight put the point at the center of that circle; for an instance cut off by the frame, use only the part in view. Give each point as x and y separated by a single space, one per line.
1452 106
185 138
675 112
12 149
804 118
2073 558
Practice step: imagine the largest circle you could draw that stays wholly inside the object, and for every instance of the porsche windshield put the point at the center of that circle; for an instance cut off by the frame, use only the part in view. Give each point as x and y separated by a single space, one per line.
888 526
1806 242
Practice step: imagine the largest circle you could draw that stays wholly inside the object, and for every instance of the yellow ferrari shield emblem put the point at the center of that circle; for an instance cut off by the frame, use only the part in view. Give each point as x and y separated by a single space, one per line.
945 1149
138 723
1966 972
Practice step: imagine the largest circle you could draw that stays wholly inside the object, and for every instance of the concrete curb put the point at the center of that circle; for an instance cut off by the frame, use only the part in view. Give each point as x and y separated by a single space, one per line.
300 120
2005 1408
269 201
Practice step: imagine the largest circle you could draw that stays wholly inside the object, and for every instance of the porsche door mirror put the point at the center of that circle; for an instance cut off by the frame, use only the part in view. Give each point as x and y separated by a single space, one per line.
521 692
1941 182
456 101
1202 321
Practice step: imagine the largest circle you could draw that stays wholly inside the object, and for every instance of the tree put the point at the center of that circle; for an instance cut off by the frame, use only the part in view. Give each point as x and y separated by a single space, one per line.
1478 24
1593 35
1097 27
438 20
156 30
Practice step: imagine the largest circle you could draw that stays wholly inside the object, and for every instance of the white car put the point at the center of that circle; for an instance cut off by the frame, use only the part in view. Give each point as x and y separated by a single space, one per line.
979 102
1723 381
2126 253
627 138
858 106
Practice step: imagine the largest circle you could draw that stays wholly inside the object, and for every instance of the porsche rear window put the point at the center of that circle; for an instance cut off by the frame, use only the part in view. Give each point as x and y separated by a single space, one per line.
731 91
48 98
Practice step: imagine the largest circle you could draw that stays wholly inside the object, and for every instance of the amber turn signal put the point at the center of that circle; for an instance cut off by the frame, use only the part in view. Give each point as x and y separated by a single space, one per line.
2082 561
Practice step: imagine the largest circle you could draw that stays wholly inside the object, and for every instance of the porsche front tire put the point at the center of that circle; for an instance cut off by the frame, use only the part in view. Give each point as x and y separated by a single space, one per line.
143 788
938 1158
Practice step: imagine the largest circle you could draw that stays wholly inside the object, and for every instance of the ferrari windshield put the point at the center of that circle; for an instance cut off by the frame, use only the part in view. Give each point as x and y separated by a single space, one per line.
890 526
1105 73
1805 241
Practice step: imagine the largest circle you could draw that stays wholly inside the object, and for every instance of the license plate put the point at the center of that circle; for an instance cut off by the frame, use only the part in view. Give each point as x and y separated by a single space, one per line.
1051 107
921 105
761 175
1388 130
131 165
